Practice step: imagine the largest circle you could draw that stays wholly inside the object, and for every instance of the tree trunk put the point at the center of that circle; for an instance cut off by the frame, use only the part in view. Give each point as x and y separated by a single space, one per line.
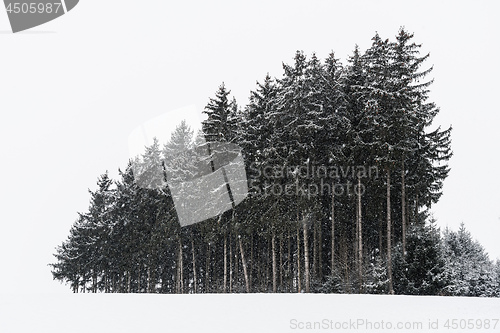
281 261
207 268
195 282
344 252
243 262
267 266
332 263
307 273
381 236
389 258
225 264
94 282
253 267
180 277
360 237
182 266
416 210
320 251
356 236
403 205
299 285
236 263
315 251
148 286
230 265
275 270
289 259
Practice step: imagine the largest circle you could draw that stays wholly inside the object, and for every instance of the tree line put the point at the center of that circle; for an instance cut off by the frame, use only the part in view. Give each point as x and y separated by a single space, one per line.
343 166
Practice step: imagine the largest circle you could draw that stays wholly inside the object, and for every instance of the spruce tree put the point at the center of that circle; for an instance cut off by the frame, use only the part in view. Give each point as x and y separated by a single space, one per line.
422 270
219 126
468 268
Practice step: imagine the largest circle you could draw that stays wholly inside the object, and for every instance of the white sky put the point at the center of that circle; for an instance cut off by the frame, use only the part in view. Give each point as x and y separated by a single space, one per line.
161 127
73 90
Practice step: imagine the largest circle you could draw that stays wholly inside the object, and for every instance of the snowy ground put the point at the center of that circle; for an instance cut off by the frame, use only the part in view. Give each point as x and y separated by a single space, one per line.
245 313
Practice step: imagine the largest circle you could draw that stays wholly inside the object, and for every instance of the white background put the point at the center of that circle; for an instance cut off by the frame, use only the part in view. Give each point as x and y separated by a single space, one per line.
72 90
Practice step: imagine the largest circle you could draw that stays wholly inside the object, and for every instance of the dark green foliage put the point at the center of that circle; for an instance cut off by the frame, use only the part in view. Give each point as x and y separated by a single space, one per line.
421 270
221 123
372 112
468 268
332 285
376 276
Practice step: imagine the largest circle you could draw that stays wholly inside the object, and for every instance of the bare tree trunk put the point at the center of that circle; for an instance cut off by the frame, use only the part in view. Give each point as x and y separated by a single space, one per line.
403 205
243 262
332 263
177 277
416 210
182 266
299 285
139 272
281 261
128 282
195 282
380 235
389 258
225 263
307 273
315 251
94 282
289 268
207 267
360 237
275 270
356 237
320 252
344 252
252 268
148 286
265 262
230 265
180 277
236 263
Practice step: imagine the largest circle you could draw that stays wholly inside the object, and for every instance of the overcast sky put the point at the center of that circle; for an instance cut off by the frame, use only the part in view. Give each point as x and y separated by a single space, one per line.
73 91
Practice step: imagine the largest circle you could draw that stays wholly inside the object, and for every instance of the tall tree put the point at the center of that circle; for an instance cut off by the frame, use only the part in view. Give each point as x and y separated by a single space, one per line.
219 126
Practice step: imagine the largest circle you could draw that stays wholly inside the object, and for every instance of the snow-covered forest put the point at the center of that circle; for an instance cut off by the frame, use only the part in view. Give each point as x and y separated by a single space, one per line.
343 165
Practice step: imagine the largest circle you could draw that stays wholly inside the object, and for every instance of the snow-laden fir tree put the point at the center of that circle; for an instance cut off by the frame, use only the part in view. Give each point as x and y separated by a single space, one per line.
468 267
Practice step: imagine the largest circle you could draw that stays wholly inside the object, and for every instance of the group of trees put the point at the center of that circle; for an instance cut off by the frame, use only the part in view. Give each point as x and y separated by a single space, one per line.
342 170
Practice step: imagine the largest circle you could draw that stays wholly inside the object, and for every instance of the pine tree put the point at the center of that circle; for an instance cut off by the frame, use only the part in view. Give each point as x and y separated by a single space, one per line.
220 126
379 109
376 276
422 270
423 155
373 112
470 271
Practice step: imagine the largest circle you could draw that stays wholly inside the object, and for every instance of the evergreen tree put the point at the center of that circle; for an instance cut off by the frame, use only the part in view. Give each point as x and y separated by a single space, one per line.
382 136
290 235
220 126
470 271
376 276
422 270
